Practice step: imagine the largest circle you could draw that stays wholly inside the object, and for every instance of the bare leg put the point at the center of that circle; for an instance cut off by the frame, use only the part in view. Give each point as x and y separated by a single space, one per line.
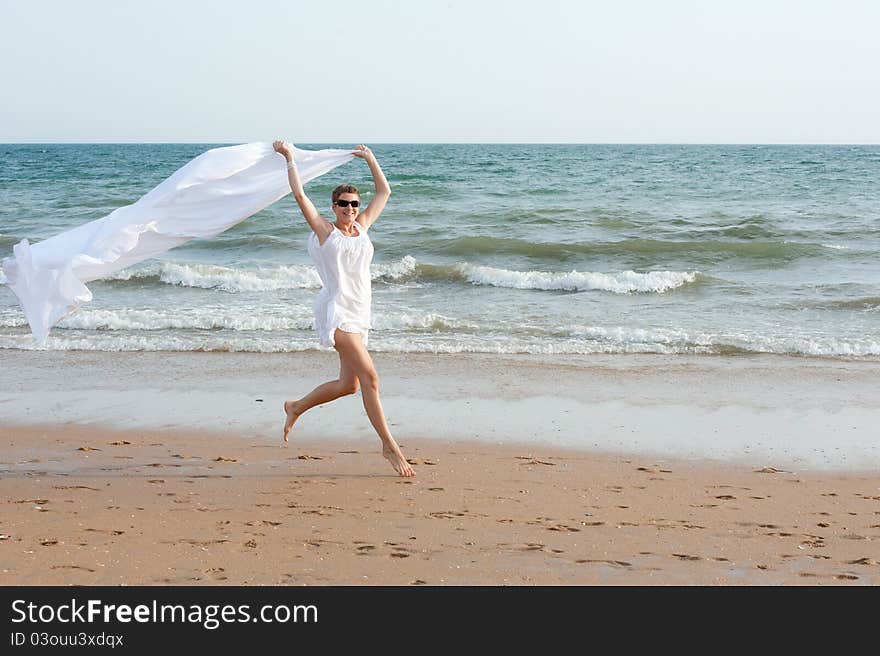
353 353
347 383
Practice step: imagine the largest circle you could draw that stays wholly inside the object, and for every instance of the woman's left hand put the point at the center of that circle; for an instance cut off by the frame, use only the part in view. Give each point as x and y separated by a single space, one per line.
362 151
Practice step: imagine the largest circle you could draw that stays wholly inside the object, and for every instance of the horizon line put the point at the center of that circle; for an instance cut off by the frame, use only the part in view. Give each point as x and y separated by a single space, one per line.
461 143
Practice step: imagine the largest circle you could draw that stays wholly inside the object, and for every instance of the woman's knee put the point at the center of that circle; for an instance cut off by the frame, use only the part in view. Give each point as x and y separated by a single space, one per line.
350 386
370 379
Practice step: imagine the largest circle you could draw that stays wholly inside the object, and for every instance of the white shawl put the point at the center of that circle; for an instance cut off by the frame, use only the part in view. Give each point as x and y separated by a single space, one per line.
210 194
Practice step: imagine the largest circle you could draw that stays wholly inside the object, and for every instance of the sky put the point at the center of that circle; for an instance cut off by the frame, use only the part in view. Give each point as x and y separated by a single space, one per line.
372 71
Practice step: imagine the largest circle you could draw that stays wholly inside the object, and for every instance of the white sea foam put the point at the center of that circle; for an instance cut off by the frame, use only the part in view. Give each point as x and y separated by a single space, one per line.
275 319
259 279
202 318
12 319
235 280
586 340
394 270
414 321
624 282
208 276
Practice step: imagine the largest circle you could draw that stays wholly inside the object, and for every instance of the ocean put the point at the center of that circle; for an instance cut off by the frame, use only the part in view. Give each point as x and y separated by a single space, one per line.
541 249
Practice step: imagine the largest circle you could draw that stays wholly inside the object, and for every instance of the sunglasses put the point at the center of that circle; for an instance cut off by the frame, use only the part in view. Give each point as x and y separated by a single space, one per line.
346 203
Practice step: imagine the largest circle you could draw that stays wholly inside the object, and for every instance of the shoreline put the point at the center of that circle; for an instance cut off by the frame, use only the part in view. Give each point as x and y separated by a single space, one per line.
751 411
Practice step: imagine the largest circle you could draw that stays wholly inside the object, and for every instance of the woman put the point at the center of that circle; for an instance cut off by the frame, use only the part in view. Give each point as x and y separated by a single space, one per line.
342 252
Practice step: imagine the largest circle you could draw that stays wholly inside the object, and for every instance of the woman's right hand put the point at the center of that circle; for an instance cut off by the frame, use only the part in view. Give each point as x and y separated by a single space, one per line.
283 148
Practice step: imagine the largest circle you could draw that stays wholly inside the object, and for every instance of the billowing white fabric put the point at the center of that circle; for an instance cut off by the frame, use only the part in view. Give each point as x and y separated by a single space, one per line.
343 264
210 194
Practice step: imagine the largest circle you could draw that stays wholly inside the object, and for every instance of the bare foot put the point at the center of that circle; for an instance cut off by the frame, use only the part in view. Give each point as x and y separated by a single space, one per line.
292 416
395 456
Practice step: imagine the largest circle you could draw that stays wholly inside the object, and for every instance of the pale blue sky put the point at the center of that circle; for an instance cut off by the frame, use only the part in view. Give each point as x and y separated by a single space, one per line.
684 71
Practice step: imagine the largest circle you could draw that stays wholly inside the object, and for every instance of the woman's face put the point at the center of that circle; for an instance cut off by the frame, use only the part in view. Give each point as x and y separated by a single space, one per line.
344 209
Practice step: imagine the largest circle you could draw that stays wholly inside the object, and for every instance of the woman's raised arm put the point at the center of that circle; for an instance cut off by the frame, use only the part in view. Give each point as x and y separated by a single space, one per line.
383 189
321 227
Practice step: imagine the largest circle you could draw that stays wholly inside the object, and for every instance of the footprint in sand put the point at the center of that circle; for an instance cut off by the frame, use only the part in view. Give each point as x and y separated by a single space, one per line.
446 514
119 443
613 563
534 461
862 561
306 456
687 557
420 461
87 569
196 543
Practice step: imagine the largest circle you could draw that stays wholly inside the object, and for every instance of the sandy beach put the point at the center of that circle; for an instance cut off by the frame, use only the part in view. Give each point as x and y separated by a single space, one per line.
155 469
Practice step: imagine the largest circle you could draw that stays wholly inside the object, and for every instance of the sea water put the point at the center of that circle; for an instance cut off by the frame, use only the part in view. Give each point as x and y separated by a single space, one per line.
541 249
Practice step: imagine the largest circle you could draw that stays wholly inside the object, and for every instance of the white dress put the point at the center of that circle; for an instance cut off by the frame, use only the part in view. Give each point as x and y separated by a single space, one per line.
343 264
